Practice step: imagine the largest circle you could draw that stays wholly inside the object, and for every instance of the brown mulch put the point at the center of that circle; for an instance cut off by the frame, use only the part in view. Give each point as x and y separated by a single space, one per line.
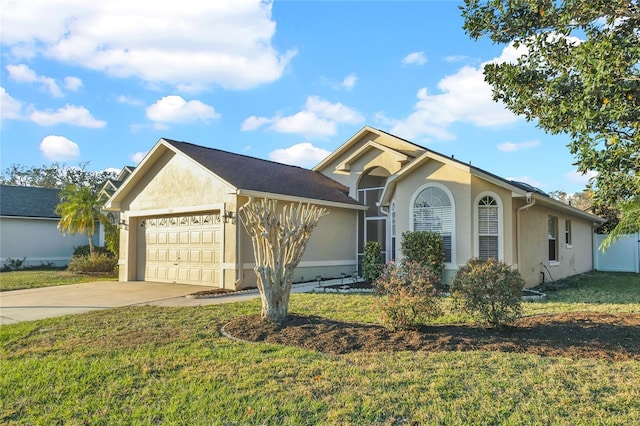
614 337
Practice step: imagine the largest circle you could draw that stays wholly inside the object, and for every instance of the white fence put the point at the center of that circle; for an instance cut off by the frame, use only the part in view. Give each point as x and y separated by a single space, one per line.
623 256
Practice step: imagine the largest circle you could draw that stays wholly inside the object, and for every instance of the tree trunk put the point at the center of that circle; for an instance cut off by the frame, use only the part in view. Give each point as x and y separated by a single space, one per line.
92 246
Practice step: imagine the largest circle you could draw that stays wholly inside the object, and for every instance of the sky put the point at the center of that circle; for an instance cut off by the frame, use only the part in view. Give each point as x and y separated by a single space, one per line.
288 81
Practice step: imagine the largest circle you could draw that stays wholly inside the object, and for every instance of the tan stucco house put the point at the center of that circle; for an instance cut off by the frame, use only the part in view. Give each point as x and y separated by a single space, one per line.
180 209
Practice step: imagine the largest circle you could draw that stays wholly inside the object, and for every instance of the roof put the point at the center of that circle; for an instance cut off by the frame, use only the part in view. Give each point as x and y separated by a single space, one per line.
254 174
27 201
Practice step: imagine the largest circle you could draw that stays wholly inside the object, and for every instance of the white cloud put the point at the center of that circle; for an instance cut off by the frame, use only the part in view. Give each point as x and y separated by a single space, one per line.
253 123
59 148
69 114
137 156
318 118
302 154
455 58
511 146
199 44
529 180
349 82
174 109
123 99
11 108
415 58
579 177
464 97
72 83
23 74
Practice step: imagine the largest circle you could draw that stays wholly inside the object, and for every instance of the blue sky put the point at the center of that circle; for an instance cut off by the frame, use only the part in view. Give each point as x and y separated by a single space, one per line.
290 81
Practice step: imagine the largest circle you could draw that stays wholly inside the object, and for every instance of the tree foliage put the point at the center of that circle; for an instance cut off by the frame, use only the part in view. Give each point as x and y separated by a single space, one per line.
279 238
580 76
79 209
55 175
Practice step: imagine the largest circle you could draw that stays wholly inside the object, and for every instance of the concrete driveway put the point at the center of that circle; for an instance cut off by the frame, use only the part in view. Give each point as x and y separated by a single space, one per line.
47 302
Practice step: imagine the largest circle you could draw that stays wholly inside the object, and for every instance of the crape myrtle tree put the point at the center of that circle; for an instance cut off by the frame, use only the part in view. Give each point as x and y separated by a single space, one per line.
279 238
580 76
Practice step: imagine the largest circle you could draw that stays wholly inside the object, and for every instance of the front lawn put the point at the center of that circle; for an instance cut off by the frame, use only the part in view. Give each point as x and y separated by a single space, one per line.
151 365
18 280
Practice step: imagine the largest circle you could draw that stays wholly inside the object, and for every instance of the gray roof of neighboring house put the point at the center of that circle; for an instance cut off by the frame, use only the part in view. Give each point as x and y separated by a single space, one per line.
254 174
27 201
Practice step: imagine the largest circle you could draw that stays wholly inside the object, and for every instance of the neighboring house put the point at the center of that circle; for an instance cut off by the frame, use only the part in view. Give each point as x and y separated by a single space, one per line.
181 204
29 227
108 189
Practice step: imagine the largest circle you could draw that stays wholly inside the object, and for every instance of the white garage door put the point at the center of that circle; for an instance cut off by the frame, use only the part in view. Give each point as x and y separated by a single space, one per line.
180 249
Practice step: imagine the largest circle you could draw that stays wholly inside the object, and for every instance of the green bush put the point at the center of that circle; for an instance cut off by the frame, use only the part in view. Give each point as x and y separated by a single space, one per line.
424 247
99 262
112 238
408 295
489 289
85 250
371 262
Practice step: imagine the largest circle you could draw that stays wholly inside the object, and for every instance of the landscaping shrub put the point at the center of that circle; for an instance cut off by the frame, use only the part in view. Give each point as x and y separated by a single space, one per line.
489 289
409 295
424 247
99 262
371 261
85 250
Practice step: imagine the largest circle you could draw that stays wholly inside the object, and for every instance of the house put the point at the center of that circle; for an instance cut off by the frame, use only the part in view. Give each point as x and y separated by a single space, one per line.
29 227
109 187
180 211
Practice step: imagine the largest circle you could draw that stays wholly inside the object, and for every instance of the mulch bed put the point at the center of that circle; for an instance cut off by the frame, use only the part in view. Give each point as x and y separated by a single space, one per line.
614 337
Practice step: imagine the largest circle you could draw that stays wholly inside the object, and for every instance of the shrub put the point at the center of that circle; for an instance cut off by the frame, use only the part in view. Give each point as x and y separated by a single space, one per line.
112 238
13 264
489 289
85 250
99 262
424 247
371 262
409 295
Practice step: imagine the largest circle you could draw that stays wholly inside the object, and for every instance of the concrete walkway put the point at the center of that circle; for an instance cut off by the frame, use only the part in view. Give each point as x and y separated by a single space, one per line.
48 302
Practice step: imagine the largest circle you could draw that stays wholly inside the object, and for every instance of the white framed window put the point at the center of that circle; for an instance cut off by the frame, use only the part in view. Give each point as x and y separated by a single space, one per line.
488 226
552 227
393 230
433 210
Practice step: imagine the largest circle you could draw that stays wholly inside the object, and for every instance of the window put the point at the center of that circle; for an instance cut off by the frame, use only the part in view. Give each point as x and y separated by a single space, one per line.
433 211
488 228
393 231
552 225
567 233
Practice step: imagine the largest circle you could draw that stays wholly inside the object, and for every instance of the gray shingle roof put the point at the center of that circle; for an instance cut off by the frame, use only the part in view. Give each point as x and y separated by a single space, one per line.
26 201
254 174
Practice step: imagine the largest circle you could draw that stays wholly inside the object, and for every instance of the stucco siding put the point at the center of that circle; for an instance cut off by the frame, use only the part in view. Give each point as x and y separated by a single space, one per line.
535 265
330 251
39 240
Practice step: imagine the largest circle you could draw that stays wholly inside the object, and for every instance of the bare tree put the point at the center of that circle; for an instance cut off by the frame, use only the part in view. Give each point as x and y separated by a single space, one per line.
279 240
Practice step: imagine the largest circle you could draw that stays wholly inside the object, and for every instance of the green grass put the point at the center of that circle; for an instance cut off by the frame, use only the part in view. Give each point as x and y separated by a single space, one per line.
151 365
18 280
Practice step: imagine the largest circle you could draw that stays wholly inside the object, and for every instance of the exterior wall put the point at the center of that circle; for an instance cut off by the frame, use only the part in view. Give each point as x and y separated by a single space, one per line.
534 257
331 249
458 183
175 185
37 239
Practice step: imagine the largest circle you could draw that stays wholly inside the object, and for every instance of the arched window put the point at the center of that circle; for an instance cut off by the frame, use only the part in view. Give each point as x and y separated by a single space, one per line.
488 230
433 211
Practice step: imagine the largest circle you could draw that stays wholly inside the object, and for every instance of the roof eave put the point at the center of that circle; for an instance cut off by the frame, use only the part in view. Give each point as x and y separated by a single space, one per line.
293 198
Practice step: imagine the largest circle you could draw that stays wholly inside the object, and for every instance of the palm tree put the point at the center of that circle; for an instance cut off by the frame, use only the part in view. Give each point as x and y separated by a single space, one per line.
79 209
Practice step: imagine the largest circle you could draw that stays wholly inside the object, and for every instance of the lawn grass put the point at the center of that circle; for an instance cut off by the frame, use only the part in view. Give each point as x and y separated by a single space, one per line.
152 365
18 280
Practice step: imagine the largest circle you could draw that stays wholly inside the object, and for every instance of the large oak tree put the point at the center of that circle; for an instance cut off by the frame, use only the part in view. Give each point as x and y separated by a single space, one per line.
580 76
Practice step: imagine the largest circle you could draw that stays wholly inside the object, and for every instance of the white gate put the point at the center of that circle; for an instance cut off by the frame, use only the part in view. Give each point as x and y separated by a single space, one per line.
622 256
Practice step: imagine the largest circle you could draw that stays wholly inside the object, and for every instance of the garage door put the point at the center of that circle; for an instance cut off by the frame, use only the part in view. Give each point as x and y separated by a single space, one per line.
180 249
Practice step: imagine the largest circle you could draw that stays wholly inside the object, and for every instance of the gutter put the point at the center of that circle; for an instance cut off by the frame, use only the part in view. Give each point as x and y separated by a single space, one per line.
530 203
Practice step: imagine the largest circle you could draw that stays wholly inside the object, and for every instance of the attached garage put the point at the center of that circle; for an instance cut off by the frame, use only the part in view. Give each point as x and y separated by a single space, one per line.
180 249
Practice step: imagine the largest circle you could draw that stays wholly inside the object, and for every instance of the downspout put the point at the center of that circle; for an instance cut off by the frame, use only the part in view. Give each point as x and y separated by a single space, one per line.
239 260
387 237
530 202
